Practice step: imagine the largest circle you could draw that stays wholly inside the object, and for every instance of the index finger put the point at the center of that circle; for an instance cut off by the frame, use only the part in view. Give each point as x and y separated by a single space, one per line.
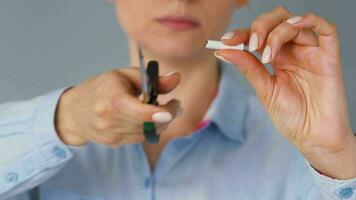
264 24
326 31
240 36
166 83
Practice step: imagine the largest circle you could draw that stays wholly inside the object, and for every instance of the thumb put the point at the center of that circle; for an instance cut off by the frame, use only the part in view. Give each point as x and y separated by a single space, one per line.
166 83
252 69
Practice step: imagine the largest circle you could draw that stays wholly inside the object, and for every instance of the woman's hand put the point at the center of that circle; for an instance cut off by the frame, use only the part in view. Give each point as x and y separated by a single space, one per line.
106 109
305 96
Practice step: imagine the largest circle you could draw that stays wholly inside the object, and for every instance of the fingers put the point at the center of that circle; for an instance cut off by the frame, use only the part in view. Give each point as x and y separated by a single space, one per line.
173 106
326 31
134 108
116 135
306 38
314 22
269 32
239 36
264 24
166 83
283 34
113 113
256 36
254 71
112 133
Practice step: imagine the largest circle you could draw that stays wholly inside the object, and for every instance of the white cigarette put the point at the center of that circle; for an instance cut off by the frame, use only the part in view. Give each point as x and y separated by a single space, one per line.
214 44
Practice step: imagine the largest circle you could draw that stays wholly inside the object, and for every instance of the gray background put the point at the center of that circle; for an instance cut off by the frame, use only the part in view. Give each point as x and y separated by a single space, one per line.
49 44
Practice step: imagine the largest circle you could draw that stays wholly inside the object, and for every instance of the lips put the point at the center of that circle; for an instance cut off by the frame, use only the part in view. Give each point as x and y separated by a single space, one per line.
178 23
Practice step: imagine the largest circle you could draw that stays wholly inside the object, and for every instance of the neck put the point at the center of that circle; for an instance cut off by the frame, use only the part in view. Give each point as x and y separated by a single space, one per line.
199 80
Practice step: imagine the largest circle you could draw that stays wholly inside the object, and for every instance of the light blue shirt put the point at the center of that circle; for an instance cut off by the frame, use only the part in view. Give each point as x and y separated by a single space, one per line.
237 155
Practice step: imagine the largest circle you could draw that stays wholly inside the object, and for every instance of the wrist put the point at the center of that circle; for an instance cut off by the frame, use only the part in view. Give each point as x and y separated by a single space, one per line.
338 165
63 122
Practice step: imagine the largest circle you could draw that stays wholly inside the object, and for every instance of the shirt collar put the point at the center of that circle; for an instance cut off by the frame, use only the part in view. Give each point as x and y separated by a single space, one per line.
229 108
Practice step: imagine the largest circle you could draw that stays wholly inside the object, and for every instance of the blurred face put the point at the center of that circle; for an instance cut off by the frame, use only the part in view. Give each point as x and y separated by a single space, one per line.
175 28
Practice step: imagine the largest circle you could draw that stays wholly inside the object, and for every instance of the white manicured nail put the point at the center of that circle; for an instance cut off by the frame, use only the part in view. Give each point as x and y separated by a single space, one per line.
253 43
266 56
228 36
162 117
171 73
294 20
220 57
217 45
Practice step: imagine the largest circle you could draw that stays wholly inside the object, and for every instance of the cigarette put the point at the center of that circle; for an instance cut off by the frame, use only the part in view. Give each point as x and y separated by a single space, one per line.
214 44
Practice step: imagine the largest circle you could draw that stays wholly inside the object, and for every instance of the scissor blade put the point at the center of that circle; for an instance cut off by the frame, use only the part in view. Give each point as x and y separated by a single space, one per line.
144 84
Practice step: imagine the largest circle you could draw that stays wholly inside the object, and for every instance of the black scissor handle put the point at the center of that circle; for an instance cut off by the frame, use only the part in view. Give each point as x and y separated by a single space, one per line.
149 128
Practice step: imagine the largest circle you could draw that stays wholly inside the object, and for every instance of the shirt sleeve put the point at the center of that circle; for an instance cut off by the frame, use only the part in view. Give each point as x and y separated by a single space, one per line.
31 151
333 189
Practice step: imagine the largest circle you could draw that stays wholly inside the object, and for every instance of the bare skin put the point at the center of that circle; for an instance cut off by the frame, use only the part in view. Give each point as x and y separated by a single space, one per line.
204 86
305 97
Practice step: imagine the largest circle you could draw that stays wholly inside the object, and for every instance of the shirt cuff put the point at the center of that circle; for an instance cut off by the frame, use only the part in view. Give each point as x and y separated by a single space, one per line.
333 188
47 151
43 128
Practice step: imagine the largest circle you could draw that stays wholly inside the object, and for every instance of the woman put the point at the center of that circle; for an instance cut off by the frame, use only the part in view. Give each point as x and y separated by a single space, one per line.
216 140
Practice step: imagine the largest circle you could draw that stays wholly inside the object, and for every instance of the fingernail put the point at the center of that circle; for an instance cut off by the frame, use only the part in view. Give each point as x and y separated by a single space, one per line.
228 36
220 57
162 117
266 56
179 111
294 20
253 43
169 74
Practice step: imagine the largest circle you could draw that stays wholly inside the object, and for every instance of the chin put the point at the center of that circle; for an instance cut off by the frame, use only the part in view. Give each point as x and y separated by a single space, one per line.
177 49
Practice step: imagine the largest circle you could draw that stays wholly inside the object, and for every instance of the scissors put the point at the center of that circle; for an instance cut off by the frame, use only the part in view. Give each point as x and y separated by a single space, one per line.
149 91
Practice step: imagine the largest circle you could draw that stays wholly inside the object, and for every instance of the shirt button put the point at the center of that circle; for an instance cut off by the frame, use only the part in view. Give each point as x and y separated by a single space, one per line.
147 182
59 152
11 177
346 193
